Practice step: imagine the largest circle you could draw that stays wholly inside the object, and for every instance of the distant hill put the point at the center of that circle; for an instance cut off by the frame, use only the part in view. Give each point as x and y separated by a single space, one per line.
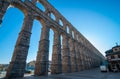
31 63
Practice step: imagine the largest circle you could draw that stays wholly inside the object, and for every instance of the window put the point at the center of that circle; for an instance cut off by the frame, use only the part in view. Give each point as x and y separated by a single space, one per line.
116 49
112 57
61 22
52 16
118 56
40 6
68 30
72 34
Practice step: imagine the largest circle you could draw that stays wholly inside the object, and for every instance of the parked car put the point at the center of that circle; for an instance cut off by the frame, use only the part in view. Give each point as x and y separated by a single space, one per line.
103 68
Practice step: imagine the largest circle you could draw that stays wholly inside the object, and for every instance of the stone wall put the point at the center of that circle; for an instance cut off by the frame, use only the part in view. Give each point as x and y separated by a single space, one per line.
77 52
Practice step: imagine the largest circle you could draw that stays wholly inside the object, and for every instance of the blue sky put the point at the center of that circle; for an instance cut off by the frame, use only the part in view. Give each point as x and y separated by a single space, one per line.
97 20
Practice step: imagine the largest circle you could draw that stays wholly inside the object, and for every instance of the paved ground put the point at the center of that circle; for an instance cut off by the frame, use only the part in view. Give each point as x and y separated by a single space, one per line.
87 74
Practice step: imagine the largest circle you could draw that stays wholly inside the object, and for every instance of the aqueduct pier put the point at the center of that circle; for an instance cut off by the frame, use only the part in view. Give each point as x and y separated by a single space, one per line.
77 52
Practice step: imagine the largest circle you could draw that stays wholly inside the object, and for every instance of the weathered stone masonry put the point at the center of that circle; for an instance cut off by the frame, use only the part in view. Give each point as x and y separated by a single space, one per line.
76 54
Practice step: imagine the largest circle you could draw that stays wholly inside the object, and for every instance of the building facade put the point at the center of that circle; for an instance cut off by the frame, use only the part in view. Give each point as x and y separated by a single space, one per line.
113 58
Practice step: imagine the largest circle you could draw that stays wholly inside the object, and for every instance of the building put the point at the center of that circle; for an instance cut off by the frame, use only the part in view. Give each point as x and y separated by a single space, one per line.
113 58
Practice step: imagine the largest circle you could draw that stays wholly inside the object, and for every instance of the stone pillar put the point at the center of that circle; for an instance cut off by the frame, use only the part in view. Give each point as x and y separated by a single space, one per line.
64 27
86 58
42 62
3 7
72 55
18 62
79 51
90 63
66 64
83 57
56 65
57 19
82 61
87 61
76 55
78 59
70 31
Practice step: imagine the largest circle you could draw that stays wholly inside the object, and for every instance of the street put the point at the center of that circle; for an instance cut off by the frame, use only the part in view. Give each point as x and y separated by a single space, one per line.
87 74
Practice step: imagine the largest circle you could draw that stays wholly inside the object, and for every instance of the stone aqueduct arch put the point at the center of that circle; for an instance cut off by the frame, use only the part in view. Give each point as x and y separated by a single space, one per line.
77 52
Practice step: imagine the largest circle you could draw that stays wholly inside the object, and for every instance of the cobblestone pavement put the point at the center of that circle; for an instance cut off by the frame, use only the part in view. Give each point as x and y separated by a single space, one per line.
87 74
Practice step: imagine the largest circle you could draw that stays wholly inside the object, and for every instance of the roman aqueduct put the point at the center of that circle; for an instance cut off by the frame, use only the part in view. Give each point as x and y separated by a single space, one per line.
77 52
